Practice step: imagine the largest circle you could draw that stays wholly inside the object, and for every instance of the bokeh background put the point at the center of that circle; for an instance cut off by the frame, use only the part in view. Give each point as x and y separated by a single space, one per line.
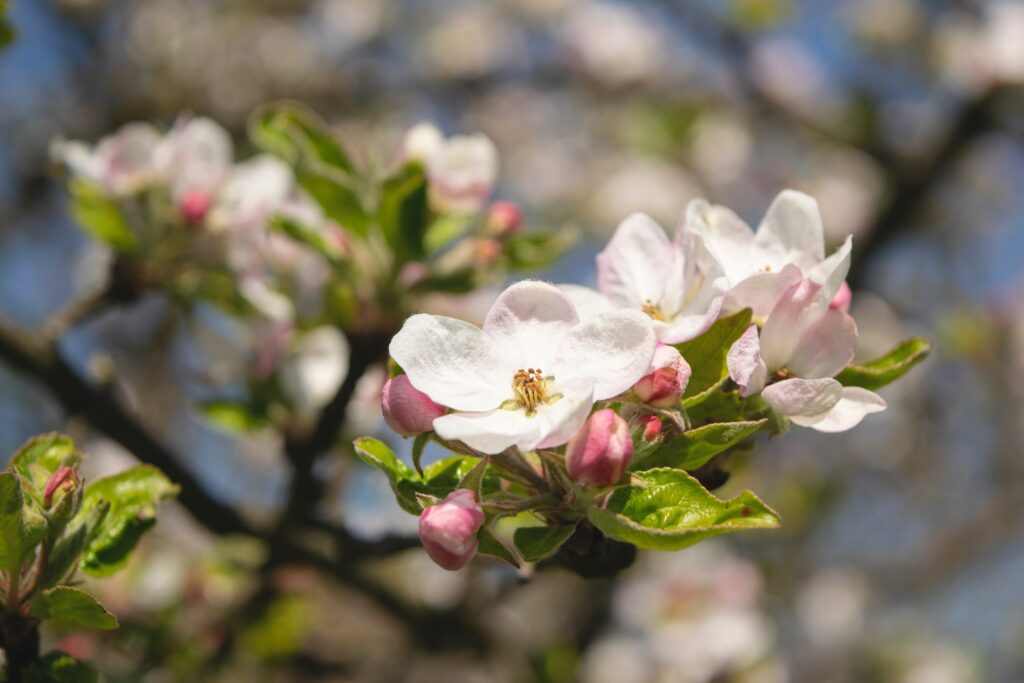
902 553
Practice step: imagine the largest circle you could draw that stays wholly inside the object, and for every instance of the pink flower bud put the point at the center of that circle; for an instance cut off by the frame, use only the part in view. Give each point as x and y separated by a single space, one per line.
841 301
448 529
63 479
652 427
670 374
599 453
486 252
504 219
194 204
406 409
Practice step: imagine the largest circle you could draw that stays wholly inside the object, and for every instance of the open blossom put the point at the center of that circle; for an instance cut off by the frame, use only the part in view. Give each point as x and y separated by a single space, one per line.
448 529
669 374
193 158
314 368
407 410
789 245
531 375
669 280
461 169
599 453
122 163
803 344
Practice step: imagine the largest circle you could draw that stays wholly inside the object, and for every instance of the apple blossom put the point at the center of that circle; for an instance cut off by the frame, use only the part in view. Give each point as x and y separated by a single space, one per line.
448 529
803 344
531 375
193 158
461 169
315 368
504 219
407 410
665 383
599 453
122 163
652 427
757 267
841 301
669 280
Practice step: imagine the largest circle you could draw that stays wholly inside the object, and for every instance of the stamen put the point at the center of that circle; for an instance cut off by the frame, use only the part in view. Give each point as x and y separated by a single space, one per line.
653 310
530 389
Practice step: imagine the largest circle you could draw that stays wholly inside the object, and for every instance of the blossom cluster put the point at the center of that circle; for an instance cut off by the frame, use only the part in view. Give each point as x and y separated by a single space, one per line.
593 405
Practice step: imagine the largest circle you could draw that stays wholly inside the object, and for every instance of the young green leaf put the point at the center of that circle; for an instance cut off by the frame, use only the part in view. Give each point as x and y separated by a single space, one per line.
58 667
66 603
41 456
312 238
294 133
537 250
706 354
233 417
404 215
22 526
403 479
133 496
336 195
890 367
672 511
536 543
100 217
692 449
492 547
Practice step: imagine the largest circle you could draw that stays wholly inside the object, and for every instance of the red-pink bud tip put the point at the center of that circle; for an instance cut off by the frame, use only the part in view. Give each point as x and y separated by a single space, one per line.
194 204
406 409
599 452
652 427
63 479
448 529
504 219
670 374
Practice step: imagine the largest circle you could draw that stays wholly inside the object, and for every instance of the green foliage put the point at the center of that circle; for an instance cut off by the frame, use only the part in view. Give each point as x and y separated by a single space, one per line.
404 215
100 217
888 368
706 354
536 543
537 250
495 549
65 603
22 525
314 239
233 417
41 456
58 667
282 630
694 448
132 497
671 510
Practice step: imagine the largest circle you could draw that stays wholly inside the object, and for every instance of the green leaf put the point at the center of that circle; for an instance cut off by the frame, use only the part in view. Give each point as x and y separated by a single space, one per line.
706 354
492 547
336 196
418 444
295 133
22 526
455 282
65 553
58 667
444 230
310 237
133 496
474 479
100 217
537 250
71 604
41 456
536 543
233 417
890 367
404 214
672 511
403 479
692 449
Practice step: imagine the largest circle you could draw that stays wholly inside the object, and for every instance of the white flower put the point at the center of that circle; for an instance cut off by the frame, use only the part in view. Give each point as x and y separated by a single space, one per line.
531 375
671 281
120 163
461 169
315 368
803 344
758 267
194 156
255 190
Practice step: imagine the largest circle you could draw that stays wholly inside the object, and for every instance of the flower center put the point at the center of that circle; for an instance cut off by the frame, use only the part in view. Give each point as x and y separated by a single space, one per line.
653 310
531 389
782 374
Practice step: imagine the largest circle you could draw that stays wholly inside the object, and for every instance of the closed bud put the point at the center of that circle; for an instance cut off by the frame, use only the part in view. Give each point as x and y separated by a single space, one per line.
407 410
652 427
194 204
669 375
599 452
64 480
504 219
841 301
448 529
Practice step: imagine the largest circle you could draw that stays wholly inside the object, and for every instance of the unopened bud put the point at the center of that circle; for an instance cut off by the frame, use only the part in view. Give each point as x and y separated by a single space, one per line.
599 452
668 378
448 529
841 301
63 480
486 252
194 204
407 410
652 427
504 219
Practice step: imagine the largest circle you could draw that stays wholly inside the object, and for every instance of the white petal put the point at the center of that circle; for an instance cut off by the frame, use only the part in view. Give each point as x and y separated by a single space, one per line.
825 348
636 264
588 302
831 272
613 350
452 362
688 326
803 398
800 307
762 291
793 223
317 367
726 237
746 367
854 405
528 320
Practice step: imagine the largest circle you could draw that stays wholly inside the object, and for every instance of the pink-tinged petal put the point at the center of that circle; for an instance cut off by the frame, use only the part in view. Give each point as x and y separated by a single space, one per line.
527 321
588 302
793 225
637 263
666 379
762 291
407 410
746 367
826 348
725 236
599 452
841 301
847 413
613 350
831 272
803 398
799 308
688 326
449 529
452 362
